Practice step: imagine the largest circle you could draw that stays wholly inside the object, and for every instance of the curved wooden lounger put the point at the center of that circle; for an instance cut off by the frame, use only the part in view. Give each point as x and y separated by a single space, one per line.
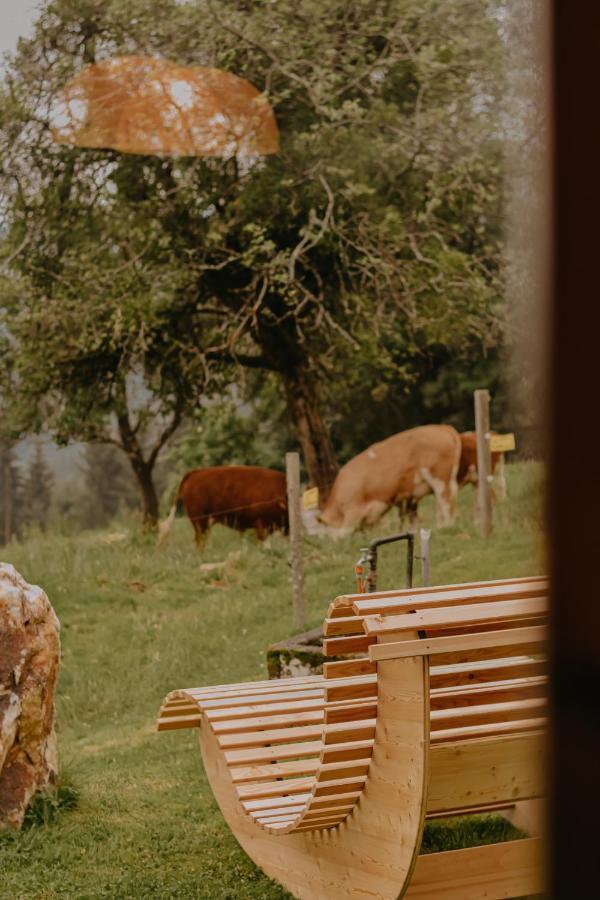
326 781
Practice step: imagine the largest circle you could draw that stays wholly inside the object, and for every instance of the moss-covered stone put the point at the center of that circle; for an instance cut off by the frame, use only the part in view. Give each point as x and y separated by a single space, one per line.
302 654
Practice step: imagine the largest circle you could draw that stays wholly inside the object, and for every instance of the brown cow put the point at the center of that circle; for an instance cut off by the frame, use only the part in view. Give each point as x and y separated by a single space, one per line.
400 469
241 497
467 471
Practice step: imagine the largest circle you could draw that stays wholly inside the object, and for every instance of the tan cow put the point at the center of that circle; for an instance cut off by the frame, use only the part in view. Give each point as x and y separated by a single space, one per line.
393 472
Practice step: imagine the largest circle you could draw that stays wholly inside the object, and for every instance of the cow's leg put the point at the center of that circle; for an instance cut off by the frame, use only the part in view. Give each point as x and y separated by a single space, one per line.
402 507
200 534
262 532
445 493
408 509
373 512
413 515
452 493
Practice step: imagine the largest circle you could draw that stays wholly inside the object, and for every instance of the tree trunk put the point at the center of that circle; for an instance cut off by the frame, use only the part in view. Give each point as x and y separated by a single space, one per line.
143 473
311 431
142 468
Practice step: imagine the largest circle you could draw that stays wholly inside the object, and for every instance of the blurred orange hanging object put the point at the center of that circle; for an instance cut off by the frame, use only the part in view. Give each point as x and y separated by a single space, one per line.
139 104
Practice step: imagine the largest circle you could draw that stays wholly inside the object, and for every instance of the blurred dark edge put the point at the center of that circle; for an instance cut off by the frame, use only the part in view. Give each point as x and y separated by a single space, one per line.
574 464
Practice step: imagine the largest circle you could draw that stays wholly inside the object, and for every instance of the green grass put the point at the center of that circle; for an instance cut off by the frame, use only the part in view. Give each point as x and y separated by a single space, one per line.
137 622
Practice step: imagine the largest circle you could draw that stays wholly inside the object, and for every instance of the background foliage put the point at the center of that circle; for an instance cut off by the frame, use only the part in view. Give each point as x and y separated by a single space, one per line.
354 280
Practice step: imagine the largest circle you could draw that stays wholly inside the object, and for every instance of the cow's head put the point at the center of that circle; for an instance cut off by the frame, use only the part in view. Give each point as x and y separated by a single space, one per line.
314 524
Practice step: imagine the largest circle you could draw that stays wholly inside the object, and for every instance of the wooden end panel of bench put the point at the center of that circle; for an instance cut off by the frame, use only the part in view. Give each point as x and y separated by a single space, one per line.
376 849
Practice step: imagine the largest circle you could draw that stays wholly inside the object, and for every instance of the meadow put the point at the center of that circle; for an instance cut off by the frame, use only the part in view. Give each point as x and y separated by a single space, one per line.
137 622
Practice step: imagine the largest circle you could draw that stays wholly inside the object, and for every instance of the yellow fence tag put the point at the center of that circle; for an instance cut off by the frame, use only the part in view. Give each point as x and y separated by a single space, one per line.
502 443
310 498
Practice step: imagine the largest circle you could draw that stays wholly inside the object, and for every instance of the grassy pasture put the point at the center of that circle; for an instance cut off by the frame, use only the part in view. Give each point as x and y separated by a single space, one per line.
137 622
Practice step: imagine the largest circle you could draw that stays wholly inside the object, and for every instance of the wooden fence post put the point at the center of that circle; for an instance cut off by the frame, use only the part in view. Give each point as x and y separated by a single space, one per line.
292 471
484 462
424 536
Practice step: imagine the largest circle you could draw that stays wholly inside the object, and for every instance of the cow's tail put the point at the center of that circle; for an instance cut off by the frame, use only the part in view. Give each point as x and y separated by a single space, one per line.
164 527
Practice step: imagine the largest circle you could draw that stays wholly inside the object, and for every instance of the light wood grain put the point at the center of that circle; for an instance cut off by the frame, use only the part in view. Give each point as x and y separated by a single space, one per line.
509 637
373 851
326 781
494 872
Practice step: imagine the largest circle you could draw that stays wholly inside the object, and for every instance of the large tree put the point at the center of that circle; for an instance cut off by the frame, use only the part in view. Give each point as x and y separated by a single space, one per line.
370 238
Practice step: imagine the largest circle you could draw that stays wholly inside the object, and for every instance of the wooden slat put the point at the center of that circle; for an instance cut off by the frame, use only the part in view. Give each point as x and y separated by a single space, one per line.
496 728
345 667
510 637
343 645
508 611
278 816
485 654
297 801
330 770
175 722
330 823
483 627
266 709
265 692
288 735
350 713
282 752
349 731
218 690
359 688
258 723
343 752
282 787
482 671
342 610
490 692
242 774
424 599
345 600
326 813
509 869
343 625
340 799
178 708
349 784
468 774
458 717
275 697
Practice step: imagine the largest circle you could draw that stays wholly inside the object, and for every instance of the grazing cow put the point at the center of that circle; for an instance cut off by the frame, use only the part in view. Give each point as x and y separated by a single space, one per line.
467 471
241 497
393 472
467 474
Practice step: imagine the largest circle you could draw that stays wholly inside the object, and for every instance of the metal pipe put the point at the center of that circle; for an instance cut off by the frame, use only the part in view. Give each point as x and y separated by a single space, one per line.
408 536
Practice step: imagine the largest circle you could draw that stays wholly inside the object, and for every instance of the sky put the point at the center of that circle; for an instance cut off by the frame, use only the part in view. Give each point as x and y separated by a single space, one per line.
16 18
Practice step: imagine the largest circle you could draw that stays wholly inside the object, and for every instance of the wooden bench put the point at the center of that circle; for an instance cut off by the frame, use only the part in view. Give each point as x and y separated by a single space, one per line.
439 709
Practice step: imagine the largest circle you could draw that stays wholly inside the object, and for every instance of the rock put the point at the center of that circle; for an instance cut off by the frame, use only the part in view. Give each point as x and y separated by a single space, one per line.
29 660
301 654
